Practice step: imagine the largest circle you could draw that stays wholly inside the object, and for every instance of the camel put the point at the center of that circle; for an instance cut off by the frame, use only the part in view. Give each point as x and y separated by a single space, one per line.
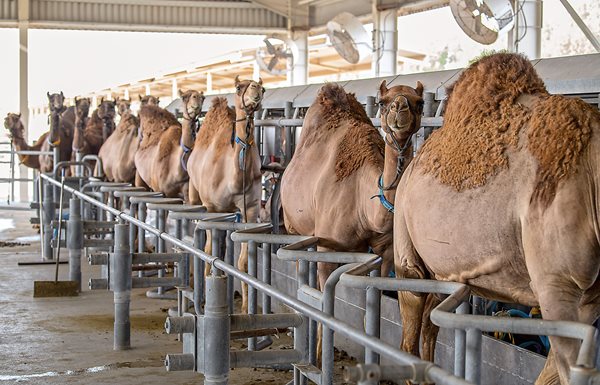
503 198
15 127
118 152
161 157
148 100
91 133
62 121
342 163
224 165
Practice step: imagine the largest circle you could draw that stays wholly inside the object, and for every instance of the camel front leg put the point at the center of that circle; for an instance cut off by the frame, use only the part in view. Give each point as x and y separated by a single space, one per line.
252 216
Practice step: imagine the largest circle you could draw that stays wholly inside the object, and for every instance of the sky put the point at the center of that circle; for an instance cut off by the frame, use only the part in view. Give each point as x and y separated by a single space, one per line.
82 61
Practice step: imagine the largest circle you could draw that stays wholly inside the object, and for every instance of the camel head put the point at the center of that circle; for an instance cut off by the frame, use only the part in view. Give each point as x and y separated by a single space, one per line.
123 106
192 103
106 109
12 123
82 108
248 94
401 110
56 102
148 100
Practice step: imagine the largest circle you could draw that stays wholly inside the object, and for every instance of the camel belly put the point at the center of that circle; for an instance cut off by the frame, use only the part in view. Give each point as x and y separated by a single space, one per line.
473 237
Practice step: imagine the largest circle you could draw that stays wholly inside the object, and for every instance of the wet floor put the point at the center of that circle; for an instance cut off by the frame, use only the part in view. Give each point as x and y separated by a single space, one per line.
69 340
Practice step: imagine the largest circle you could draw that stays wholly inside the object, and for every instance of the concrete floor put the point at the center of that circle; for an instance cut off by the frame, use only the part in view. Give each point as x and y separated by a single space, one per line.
69 340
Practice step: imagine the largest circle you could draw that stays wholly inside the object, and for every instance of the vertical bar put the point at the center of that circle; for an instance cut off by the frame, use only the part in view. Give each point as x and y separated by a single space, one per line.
266 276
199 243
288 112
141 232
75 240
217 326
252 297
23 14
370 107
160 245
460 344
111 203
313 327
373 316
49 215
132 212
122 287
473 356
230 248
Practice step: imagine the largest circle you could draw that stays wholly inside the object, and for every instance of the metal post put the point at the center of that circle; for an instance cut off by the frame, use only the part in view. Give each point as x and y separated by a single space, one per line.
473 356
266 276
23 12
217 323
370 107
122 287
529 28
460 344
199 243
160 245
55 160
301 337
49 215
230 248
288 112
141 207
75 240
372 321
253 271
313 327
132 212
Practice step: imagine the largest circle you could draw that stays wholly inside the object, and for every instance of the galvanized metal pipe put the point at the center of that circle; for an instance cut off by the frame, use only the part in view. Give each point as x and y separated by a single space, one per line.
199 244
473 356
266 275
122 287
49 214
75 240
229 258
372 318
460 343
265 321
252 300
216 319
249 359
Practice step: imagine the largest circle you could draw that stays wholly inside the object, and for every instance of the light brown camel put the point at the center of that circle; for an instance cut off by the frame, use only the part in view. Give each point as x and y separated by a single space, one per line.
15 127
504 198
332 187
160 159
118 152
224 166
148 100
61 121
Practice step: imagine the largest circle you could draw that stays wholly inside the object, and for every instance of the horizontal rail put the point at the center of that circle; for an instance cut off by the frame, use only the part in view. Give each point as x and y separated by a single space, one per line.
27 152
283 122
432 372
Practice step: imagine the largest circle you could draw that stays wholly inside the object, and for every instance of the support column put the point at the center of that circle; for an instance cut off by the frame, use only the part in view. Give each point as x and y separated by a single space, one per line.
174 90
385 53
147 89
255 71
209 85
529 30
299 73
23 14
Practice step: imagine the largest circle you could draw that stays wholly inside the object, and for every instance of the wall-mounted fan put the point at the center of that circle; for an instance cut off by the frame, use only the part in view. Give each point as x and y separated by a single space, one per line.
273 56
349 37
483 20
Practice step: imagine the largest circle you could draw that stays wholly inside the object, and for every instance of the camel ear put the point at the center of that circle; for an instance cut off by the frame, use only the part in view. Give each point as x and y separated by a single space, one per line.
48 93
181 94
75 99
260 81
383 88
116 100
419 88
61 94
237 79
19 115
141 97
101 99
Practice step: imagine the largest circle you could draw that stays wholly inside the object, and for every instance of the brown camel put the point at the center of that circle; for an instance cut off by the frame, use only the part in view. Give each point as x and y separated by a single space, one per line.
118 152
15 127
91 133
62 121
224 166
161 159
503 198
342 164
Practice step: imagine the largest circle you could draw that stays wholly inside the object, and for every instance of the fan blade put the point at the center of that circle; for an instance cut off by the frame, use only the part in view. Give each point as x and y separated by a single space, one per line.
270 47
272 63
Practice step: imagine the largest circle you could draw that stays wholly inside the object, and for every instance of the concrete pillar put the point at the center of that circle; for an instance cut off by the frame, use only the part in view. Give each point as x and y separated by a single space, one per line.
126 94
255 71
23 14
147 89
299 73
529 33
209 85
174 89
385 54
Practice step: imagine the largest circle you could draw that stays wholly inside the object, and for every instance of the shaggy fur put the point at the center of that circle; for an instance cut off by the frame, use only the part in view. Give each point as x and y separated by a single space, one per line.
153 122
127 122
559 132
482 121
361 142
219 121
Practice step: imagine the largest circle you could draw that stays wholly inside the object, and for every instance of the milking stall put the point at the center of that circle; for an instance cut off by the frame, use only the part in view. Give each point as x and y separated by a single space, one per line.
329 203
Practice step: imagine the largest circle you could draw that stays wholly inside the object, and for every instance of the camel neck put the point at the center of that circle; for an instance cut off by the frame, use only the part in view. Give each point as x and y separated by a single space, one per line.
396 161
188 128
17 140
54 136
244 125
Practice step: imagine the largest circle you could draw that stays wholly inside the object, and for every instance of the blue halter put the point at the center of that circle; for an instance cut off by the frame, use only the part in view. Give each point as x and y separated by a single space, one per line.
384 202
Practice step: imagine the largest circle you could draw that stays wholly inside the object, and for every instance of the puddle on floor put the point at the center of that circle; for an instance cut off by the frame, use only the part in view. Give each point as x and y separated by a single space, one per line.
77 372
6 224
28 238
103 322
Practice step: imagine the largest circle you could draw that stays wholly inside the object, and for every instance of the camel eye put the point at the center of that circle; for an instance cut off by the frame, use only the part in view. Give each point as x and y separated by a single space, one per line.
381 103
238 88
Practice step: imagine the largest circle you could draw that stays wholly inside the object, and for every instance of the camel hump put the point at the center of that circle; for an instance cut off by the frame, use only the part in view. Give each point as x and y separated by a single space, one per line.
220 103
154 112
482 121
333 95
559 132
